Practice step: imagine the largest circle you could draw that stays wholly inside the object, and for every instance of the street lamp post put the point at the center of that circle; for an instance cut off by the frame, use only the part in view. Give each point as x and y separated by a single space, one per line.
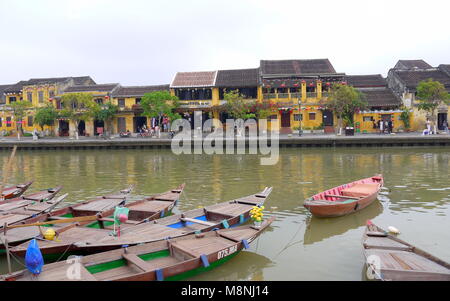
301 116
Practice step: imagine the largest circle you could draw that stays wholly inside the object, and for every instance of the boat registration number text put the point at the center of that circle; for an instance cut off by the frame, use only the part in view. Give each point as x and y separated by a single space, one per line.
226 252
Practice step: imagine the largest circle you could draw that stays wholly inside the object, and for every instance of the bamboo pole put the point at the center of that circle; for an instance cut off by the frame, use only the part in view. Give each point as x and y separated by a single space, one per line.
59 221
8 255
6 171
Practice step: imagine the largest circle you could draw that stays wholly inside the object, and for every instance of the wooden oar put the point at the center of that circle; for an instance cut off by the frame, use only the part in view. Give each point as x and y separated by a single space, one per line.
55 203
60 221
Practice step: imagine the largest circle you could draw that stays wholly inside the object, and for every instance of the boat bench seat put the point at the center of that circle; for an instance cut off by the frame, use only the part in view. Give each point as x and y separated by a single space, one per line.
360 190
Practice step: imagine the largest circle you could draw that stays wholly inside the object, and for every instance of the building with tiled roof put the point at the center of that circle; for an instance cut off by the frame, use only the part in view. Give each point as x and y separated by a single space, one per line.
445 68
366 81
412 65
108 88
237 78
138 91
296 67
406 81
194 79
2 96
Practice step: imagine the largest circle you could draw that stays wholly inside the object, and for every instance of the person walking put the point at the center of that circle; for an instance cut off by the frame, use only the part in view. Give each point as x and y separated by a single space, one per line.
445 125
429 126
390 126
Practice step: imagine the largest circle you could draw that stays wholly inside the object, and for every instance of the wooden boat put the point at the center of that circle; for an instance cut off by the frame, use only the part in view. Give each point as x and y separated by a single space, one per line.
390 258
162 260
15 191
25 214
87 240
27 207
103 204
345 199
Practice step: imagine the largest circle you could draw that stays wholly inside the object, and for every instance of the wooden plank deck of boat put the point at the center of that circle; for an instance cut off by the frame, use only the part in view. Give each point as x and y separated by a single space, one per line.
198 246
149 206
18 234
375 242
233 209
170 196
57 272
144 232
252 200
12 218
14 205
98 205
135 266
237 234
70 236
39 195
406 261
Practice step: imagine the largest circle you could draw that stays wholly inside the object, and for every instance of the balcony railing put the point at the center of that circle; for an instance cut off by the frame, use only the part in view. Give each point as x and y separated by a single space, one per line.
325 94
296 95
311 94
283 95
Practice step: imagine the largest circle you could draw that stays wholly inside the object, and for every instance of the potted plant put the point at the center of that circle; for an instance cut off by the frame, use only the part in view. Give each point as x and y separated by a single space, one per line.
349 127
256 214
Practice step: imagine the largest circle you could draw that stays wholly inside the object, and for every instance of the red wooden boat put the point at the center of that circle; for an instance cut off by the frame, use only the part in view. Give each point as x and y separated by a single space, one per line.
345 199
15 191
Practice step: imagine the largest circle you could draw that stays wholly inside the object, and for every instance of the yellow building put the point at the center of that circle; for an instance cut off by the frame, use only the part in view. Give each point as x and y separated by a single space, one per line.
101 94
128 99
37 91
403 80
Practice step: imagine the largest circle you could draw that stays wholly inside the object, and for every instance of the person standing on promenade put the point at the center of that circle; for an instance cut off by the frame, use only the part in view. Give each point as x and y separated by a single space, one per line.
390 126
381 125
429 126
445 125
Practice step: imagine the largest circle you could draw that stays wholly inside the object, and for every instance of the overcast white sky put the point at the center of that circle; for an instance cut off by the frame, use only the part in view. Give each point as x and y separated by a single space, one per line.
138 42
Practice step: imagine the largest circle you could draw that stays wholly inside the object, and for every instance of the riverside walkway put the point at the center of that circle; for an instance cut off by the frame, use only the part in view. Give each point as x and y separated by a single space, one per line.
306 140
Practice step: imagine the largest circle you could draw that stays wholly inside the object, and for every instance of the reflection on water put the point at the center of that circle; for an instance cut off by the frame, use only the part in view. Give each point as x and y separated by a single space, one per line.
297 247
318 229
249 267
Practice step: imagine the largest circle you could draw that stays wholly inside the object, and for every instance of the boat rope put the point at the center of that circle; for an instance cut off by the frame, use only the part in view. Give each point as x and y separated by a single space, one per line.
290 241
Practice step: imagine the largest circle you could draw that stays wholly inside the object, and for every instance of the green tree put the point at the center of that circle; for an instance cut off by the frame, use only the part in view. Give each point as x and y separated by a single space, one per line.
19 110
345 101
106 113
158 103
45 116
78 107
236 105
430 94
405 117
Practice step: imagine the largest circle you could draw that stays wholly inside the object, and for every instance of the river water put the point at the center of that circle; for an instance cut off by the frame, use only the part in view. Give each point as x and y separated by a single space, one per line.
416 199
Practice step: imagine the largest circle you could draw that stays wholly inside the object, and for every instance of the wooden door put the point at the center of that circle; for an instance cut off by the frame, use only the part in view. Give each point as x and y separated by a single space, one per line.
285 119
327 118
121 125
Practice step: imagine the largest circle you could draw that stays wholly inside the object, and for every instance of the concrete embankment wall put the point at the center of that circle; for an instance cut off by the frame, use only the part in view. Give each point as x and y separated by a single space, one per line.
373 141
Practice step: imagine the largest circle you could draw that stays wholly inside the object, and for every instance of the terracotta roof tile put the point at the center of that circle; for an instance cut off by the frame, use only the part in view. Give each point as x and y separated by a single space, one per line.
194 79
